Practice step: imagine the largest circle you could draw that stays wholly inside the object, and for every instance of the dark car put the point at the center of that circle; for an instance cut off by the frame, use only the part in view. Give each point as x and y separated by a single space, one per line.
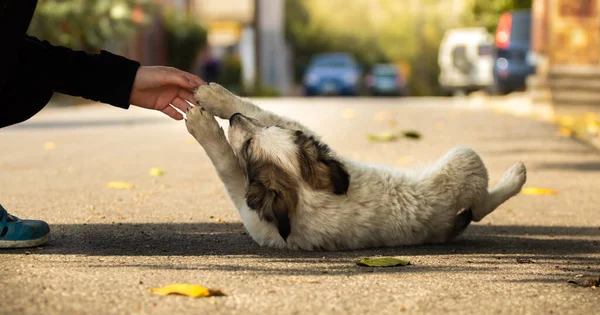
512 53
332 73
386 79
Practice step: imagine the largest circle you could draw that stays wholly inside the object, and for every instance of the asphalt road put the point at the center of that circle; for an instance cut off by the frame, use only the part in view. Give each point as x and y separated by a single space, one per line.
109 246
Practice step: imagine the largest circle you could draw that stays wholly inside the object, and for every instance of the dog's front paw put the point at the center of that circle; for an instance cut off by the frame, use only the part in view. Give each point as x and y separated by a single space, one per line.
216 99
202 125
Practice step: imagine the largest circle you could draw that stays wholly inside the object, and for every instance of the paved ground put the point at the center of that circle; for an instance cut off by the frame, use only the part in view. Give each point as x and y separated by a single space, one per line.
109 246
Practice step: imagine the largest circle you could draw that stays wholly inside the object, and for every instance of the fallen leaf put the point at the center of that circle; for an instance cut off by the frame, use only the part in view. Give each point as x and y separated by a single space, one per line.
392 123
382 262
404 159
191 290
538 191
382 137
412 134
586 281
119 185
565 132
49 145
348 113
155 171
566 121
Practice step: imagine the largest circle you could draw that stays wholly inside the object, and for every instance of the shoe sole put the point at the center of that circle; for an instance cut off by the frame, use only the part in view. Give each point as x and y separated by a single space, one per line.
25 244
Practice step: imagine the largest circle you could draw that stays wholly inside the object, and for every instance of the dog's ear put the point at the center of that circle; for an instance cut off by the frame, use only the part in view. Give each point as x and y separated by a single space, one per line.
320 169
272 194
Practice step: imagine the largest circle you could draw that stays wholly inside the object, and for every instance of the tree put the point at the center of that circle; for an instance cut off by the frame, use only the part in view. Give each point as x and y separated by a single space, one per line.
89 24
487 13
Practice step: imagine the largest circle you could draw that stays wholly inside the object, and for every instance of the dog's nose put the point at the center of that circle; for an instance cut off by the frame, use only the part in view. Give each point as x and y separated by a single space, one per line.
234 117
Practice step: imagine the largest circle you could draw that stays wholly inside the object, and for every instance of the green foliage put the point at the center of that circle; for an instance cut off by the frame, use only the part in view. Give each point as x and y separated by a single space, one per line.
89 24
231 73
185 37
487 13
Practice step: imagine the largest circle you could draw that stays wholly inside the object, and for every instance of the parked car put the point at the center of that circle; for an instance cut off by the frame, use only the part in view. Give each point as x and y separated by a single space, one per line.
333 74
386 79
465 59
512 53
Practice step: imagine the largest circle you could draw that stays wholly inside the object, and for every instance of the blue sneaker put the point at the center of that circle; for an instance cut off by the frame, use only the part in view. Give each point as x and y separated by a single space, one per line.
17 233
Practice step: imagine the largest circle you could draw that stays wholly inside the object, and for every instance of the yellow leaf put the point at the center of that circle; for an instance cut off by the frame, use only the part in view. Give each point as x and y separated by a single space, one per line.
191 290
155 171
119 185
566 121
590 118
348 113
382 262
382 137
404 159
538 191
49 145
564 131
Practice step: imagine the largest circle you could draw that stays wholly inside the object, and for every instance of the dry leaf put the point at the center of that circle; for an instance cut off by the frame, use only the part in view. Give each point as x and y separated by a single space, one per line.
591 282
412 134
119 185
49 145
348 113
382 262
382 137
565 131
191 290
392 123
538 191
404 159
155 171
566 121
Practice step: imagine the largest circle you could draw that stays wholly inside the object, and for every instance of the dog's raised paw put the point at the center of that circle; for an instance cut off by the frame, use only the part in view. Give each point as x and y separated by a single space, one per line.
215 99
202 124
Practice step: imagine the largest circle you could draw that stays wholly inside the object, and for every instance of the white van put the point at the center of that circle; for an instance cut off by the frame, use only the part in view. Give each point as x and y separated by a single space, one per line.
466 60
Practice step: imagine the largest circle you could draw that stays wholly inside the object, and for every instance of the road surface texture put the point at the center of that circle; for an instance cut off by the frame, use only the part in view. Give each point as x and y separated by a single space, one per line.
109 246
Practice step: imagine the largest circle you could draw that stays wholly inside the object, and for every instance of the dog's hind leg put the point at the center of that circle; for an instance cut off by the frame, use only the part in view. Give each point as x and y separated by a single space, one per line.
511 183
203 126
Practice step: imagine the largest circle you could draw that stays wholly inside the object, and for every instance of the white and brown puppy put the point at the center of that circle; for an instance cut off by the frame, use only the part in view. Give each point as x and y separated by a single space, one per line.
292 191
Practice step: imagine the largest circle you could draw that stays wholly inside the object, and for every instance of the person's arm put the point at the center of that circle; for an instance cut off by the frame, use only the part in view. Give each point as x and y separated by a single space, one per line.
102 77
108 78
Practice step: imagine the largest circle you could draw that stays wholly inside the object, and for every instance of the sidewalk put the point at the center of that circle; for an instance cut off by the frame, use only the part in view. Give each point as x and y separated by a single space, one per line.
109 246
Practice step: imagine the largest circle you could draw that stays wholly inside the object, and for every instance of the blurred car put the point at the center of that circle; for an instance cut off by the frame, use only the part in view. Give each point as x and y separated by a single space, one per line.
332 74
513 56
386 79
465 59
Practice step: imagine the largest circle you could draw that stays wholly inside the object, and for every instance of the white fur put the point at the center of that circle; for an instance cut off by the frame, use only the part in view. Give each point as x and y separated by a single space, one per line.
383 206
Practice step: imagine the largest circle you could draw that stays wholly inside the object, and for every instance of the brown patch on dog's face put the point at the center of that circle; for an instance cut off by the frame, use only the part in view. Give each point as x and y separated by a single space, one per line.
318 168
272 193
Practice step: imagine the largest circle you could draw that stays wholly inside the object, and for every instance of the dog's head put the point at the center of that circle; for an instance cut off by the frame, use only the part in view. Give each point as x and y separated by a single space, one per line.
277 162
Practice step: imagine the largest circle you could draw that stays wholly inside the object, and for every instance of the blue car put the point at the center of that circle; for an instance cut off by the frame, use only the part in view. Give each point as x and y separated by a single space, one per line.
513 56
332 74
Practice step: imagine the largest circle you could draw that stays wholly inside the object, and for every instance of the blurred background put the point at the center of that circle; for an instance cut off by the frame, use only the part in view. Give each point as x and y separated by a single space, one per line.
338 47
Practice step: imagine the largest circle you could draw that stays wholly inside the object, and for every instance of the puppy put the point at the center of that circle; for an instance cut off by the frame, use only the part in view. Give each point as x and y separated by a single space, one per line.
292 191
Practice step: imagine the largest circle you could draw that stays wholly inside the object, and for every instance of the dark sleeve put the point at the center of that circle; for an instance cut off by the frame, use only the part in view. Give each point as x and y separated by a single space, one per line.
102 77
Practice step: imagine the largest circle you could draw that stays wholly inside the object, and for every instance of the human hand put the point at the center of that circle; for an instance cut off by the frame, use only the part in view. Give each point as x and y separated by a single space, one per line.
157 87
